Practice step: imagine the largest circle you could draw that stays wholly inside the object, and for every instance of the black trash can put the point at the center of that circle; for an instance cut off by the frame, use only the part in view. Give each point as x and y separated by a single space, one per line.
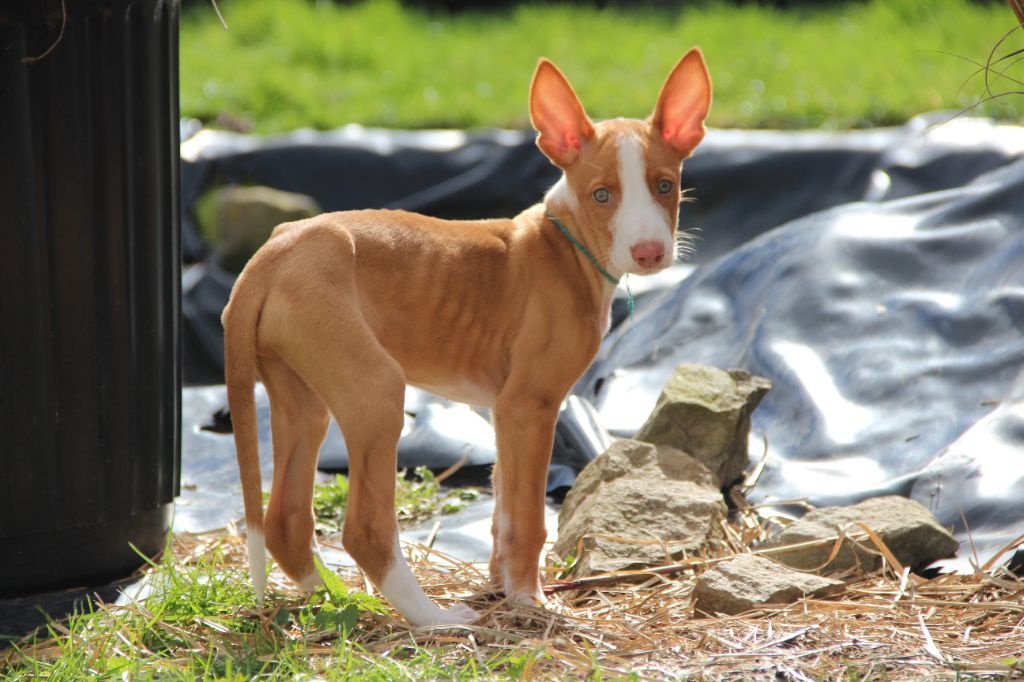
89 288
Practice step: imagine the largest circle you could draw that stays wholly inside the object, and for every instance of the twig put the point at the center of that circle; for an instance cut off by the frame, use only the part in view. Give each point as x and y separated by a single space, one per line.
929 643
1018 8
433 534
626 575
60 36
219 15
896 564
452 469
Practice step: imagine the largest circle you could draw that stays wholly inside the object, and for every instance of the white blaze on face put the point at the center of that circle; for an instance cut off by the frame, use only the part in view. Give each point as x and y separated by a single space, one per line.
638 217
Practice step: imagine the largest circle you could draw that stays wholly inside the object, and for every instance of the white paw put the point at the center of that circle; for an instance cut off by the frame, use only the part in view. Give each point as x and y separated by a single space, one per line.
459 614
309 584
526 597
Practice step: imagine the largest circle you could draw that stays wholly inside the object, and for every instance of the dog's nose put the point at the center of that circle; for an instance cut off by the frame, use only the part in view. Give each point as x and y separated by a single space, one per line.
648 254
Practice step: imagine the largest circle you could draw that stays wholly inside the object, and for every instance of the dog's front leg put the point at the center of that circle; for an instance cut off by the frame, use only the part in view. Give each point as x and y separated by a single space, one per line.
524 427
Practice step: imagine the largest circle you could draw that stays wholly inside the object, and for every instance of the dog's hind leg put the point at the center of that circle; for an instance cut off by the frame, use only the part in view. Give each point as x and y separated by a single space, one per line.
364 388
298 423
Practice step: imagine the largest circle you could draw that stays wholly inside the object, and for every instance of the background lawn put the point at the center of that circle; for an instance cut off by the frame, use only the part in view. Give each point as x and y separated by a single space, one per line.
285 64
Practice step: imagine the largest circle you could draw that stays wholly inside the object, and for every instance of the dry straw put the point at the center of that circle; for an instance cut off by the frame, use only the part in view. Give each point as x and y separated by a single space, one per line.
890 624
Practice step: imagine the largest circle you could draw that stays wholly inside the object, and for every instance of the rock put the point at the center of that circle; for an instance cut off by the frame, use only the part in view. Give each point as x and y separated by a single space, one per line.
631 523
745 582
245 217
631 458
639 505
705 411
907 529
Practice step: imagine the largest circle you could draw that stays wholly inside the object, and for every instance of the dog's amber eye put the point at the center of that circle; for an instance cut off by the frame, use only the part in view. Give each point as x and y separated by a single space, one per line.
602 195
665 186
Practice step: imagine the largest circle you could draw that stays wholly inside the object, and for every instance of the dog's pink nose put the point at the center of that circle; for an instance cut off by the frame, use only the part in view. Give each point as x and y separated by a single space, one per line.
648 254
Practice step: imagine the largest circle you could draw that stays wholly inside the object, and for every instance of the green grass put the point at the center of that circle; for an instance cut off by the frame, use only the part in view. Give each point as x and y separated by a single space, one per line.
417 497
202 623
285 64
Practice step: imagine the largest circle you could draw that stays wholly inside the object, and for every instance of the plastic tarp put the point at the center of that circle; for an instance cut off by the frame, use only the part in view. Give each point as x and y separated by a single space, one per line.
894 336
876 277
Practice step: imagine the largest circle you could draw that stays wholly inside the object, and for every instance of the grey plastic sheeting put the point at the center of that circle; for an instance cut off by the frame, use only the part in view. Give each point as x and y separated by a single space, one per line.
891 326
211 495
437 433
894 336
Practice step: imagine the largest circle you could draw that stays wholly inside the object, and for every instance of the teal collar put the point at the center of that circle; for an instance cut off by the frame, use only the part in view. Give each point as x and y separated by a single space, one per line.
584 250
593 260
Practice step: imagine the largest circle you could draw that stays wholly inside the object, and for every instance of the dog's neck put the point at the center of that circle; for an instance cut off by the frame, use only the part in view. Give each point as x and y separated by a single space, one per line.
593 289
582 248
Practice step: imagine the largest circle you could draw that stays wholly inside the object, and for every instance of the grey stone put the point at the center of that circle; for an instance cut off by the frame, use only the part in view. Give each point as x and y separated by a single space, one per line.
631 458
639 505
245 216
905 526
746 582
705 411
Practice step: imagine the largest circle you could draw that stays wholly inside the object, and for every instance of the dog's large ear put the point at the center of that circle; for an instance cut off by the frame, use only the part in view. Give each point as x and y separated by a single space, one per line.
557 115
684 103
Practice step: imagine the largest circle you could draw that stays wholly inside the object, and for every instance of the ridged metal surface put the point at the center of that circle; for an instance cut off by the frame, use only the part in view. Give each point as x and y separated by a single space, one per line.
89 268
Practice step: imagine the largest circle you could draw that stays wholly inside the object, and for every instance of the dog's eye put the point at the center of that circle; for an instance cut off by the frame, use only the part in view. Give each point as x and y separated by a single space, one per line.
665 186
602 195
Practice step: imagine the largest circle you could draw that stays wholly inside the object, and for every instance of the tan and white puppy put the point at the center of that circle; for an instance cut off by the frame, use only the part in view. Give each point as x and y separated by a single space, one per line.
336 314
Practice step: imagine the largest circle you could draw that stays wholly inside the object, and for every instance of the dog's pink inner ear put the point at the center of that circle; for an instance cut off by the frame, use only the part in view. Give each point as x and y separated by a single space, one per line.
557 114
684 103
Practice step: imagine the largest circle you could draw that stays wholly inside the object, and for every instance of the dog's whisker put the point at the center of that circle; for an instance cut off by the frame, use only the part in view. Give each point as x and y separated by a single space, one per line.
686 243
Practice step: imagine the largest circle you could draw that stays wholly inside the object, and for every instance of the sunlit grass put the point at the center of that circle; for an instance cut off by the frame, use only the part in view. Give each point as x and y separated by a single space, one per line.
417 497
284 64
201 622
199 618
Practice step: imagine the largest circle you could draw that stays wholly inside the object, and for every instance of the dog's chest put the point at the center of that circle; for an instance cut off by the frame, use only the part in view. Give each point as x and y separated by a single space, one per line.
462 392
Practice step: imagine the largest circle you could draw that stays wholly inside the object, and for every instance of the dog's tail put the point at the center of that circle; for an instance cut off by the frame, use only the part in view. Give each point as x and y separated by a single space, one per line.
240 319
